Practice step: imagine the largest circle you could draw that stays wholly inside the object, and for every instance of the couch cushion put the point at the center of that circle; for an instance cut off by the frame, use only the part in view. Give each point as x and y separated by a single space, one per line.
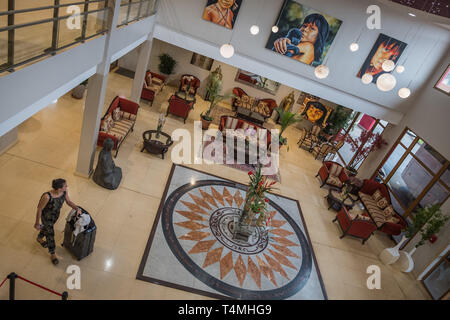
157 81
104 126
238 102
228 122
124 124
389 212
335 169
333 180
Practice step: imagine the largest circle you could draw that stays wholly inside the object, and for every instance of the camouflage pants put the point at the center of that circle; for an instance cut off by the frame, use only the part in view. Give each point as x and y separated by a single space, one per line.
47 231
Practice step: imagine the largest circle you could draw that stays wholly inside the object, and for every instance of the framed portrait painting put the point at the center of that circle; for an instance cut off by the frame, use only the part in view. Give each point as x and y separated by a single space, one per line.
385 48
443 83
202 61
257 81
304 34
317 113
222 12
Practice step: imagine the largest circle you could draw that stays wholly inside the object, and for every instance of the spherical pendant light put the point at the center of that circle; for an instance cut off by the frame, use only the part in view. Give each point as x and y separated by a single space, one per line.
254 30
388 65
227 50
386 82
367 78
354 47
404 93
321 71
400 69
274 29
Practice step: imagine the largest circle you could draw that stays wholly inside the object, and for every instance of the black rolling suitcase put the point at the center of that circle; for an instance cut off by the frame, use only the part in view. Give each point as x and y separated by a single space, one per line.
83 244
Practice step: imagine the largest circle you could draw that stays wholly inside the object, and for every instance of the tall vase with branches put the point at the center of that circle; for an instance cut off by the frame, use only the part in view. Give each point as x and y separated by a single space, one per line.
369 141
285 120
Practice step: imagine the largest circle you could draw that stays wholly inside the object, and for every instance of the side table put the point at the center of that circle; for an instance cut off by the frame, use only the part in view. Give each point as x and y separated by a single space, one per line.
156 145
335 200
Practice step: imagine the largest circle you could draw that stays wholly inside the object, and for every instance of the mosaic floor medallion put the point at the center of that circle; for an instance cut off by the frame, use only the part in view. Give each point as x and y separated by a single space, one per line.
192 247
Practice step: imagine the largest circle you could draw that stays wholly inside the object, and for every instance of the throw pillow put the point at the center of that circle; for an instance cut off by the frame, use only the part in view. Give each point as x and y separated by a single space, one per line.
389 212
377 195
149 79
116 114
382 203
109 121
393 220
238 102
251 101
104 126
364 217
245 98
129 116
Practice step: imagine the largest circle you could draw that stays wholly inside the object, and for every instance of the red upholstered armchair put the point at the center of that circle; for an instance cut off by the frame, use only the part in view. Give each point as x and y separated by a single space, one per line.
187 79
365 195
354 226
179 107
333 174
117 125
153 84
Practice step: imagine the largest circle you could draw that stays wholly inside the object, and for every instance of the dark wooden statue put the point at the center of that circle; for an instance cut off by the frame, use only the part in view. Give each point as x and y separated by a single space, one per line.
106 173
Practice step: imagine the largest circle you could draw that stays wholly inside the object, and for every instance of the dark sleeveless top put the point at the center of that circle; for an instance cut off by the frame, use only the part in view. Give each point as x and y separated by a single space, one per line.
53 206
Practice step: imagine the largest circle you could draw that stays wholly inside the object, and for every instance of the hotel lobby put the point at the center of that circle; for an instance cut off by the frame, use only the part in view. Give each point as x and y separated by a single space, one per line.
356 209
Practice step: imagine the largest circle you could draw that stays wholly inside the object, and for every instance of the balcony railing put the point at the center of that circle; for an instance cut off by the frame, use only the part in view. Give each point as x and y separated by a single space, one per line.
29 33
134 10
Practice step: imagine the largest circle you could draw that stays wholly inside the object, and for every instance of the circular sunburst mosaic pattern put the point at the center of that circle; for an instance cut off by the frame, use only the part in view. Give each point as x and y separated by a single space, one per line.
198 224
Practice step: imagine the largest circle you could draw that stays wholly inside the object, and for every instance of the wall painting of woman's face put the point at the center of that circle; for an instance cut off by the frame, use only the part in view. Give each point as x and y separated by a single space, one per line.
304 34
385 48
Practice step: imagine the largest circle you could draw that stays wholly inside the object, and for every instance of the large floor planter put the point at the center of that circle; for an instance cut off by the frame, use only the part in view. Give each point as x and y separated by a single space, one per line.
205 123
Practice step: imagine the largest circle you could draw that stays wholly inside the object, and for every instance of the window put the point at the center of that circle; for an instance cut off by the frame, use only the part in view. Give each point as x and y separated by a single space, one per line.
415 173
359 122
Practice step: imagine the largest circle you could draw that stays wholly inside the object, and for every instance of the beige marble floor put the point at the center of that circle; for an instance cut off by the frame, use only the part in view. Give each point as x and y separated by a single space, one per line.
47 149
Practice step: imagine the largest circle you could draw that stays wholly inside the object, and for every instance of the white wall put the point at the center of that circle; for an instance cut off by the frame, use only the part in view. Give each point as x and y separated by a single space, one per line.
184 16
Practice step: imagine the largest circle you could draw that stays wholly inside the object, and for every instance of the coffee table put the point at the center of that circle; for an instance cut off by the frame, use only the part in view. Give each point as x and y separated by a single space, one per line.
156 144
336 201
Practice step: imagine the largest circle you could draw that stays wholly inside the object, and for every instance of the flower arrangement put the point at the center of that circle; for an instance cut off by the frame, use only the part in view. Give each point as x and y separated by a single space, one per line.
369 141
161 121
255 201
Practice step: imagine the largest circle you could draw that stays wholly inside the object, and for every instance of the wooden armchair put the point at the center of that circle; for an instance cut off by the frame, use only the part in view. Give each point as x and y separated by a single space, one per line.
311 139
322 150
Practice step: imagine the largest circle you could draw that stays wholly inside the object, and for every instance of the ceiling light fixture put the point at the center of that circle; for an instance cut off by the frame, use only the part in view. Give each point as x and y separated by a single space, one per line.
400 69
404 93
254 29
388 65
322 71
411 14
367 78
274 29
386 82
227 50
354 47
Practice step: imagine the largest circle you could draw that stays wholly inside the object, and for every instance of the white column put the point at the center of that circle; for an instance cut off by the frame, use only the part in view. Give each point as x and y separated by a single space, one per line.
94 102
8 140
143 59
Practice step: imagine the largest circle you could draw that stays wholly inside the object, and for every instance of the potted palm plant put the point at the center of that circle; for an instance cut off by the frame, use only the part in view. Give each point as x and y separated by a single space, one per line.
167 63
213 92
286 119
